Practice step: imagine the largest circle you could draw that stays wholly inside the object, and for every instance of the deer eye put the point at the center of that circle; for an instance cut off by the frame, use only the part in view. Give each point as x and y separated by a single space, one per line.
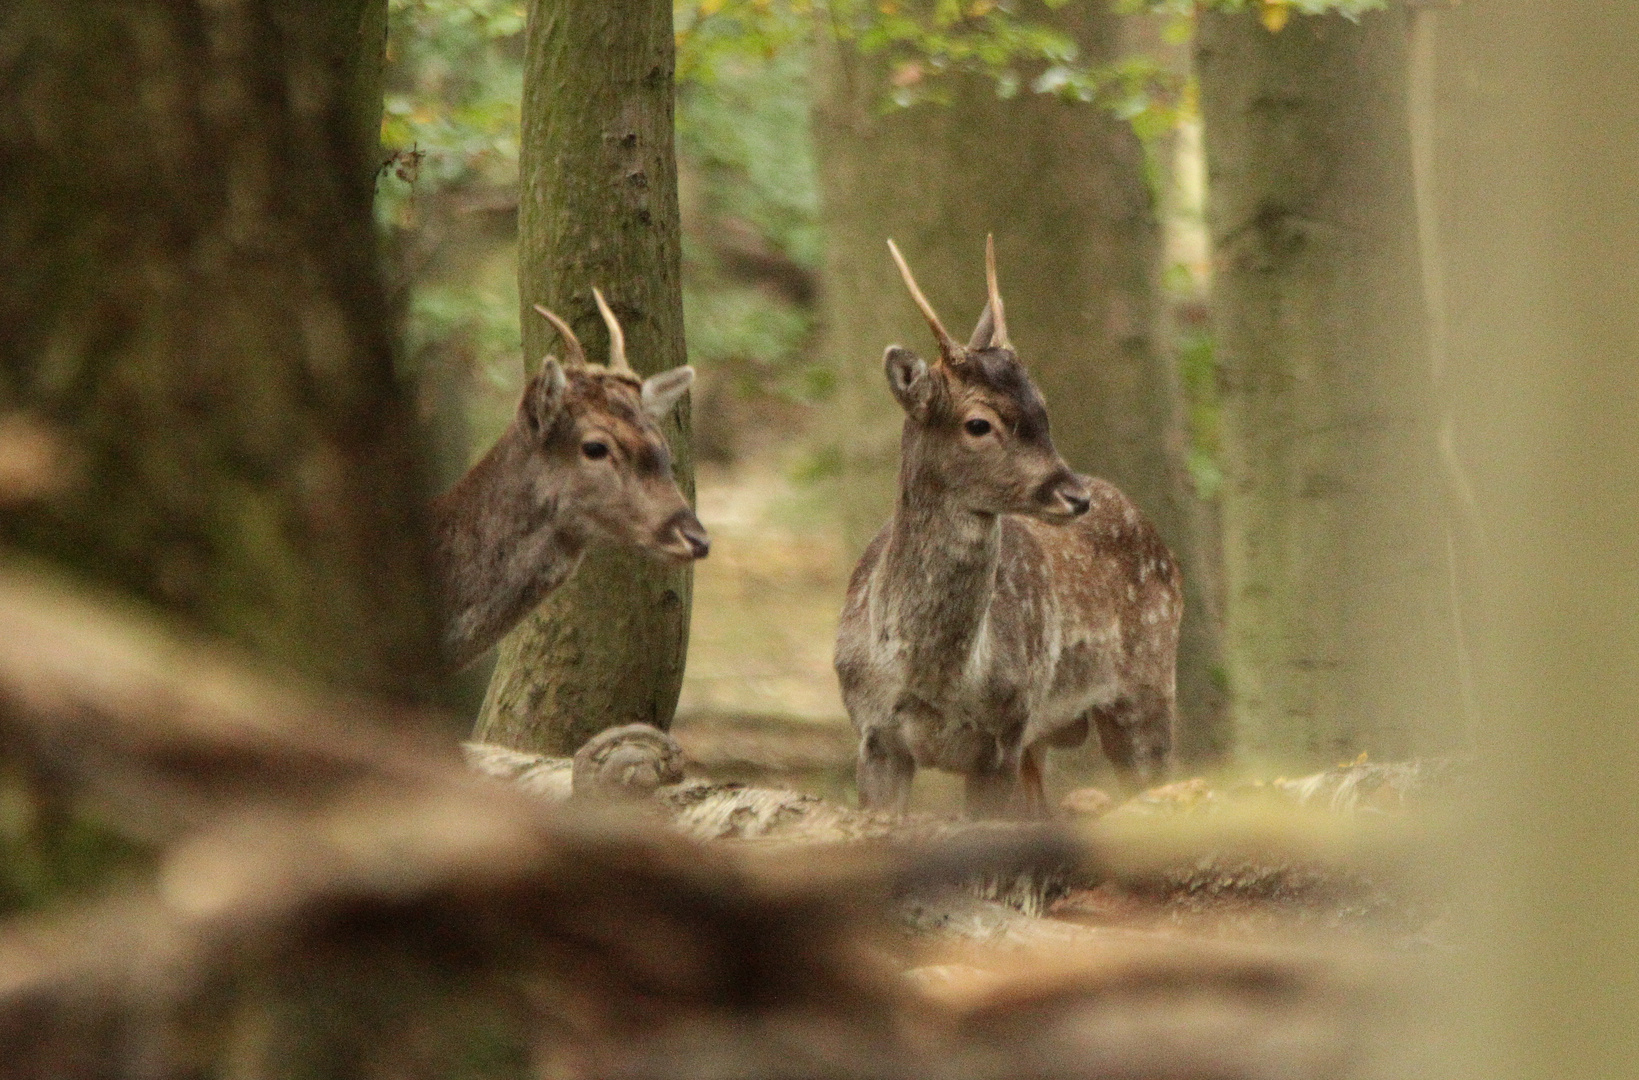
594 450
977 427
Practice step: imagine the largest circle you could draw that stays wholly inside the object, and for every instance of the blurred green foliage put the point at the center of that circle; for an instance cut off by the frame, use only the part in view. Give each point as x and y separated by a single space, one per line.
483 313
745 134
751 235
752 244
1199 373
454 84
924 42
751 210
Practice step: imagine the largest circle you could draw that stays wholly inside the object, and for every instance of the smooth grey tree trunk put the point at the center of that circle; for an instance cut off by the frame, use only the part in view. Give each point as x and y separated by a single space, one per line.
191 306
598 207
1339 574
1530 129
1078 250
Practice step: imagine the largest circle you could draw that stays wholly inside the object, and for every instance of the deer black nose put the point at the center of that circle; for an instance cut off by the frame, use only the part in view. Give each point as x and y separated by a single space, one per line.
683 537
1063 495
687 528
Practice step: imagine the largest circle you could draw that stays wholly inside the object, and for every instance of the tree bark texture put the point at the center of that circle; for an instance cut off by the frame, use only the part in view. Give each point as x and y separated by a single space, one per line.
1340 629
598 207
365 55
1078 252
191 305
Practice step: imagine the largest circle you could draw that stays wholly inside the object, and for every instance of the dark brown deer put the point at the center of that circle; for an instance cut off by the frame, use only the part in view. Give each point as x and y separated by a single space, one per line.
1009 605
582 460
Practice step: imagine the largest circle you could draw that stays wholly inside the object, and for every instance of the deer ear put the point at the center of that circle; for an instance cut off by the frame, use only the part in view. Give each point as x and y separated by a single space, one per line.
909 380
543 397
662 392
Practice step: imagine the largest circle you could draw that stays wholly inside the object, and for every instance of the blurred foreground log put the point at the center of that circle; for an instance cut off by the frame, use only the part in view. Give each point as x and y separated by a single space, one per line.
321 899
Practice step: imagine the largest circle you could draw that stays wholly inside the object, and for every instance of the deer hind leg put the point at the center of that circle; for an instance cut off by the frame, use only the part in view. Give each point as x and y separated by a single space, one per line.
991 792
1136 735
884 771
1033 763
1032 785
992 786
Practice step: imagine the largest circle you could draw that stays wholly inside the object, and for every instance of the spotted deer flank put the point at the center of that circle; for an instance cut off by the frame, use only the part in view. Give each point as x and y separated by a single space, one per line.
1009 605
583 460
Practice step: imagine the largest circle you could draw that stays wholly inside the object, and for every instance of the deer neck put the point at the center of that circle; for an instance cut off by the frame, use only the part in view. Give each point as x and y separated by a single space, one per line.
939 574
503 543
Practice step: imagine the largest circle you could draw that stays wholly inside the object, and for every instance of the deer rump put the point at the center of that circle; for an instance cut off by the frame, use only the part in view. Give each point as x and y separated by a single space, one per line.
1009 605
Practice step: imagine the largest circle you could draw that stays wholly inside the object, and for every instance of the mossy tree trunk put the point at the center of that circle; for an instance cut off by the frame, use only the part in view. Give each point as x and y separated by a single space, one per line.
598 207
363 62
190 299
1338 573
1078 246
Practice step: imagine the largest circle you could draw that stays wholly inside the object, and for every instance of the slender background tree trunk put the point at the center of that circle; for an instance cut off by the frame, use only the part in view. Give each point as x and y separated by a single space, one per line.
191 306
1338 572
598 207
1078 251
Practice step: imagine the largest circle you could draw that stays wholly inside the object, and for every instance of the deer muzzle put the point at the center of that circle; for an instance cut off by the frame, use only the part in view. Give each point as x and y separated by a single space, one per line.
1063 496
683 537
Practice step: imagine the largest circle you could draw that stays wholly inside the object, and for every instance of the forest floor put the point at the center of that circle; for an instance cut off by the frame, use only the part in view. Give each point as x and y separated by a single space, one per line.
760 706
766 601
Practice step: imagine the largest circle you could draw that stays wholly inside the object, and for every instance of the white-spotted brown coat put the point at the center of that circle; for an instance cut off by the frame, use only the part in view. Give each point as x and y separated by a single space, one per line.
1009 605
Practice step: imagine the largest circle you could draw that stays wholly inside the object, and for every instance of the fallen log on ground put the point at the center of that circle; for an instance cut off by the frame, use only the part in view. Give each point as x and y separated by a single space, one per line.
1317 850
320 895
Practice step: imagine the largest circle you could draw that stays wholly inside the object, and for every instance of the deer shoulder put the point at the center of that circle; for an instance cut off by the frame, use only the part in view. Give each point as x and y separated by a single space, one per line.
583 460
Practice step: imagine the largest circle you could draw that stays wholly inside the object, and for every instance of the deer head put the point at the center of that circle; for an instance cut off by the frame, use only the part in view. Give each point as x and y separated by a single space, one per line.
975 425
597 449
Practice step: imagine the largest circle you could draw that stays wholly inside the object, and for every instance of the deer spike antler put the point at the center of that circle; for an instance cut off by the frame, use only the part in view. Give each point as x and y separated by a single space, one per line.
577 355
617 338
947 345
998 333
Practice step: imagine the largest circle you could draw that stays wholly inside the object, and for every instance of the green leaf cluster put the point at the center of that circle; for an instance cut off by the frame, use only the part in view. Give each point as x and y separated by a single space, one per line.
1351 9
718 35
923 40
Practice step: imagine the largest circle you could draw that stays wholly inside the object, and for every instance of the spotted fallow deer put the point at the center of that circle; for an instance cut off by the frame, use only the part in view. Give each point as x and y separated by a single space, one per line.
1009 605
583 459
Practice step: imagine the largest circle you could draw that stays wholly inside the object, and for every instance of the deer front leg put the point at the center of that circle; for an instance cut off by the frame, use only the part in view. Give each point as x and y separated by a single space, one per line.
884 771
